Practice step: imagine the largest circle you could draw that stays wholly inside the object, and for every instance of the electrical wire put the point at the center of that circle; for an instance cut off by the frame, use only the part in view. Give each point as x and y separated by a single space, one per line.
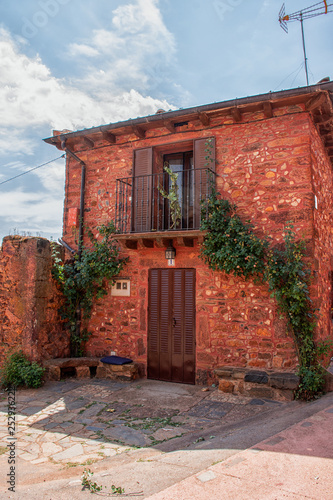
28 171
297 70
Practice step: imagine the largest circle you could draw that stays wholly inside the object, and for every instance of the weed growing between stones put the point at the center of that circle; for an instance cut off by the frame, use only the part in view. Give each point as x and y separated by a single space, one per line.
231 246
88 483
152 423
94 487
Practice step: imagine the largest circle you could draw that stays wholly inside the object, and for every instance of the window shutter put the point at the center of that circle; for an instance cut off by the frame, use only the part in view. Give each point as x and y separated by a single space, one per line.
204 159
142 190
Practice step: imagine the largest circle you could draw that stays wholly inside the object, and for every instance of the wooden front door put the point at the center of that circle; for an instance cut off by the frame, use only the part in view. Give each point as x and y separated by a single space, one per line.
171 325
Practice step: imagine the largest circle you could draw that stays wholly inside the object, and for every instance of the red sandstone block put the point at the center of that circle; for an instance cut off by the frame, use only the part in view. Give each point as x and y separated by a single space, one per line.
226 386
82 372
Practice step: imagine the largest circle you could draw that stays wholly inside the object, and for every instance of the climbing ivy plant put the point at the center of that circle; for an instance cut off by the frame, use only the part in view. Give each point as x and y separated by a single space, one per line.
83 280
231 246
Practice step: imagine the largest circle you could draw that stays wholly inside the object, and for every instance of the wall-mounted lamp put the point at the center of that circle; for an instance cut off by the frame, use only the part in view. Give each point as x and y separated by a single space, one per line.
170 252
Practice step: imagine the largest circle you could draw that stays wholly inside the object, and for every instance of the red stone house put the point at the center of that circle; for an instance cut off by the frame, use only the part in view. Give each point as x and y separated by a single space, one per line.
270 154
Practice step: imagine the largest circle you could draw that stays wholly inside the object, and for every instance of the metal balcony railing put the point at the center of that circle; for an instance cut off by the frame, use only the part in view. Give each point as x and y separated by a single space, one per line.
141 207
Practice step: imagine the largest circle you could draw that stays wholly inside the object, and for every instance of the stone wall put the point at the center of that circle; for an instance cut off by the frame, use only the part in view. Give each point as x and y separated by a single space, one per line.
323 238
29 301
266 166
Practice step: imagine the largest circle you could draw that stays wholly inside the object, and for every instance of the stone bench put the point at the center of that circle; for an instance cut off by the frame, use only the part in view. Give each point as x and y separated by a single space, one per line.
87 367
118 372
257 383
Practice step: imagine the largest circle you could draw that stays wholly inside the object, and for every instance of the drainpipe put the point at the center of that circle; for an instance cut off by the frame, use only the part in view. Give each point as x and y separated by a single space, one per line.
74 349
66 245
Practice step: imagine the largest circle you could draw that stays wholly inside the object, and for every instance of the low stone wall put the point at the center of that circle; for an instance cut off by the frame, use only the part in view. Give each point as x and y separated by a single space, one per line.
257 383
29 300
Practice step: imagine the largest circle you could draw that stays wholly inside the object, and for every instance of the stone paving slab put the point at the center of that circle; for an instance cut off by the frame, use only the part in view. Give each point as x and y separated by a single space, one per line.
85 421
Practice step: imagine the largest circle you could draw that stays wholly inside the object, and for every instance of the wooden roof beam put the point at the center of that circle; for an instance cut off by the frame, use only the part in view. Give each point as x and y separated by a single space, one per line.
138 131
236 114
268 110
168 124
88 142
107 136
204 118
315 101
58 145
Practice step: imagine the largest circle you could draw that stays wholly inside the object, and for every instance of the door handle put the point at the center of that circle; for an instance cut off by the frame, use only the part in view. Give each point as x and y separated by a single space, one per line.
174 322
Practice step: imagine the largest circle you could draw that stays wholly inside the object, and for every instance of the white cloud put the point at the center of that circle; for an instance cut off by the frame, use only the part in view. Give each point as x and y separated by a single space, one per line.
11 140
120 68
30 96
52 177
134 53
77 49
37 209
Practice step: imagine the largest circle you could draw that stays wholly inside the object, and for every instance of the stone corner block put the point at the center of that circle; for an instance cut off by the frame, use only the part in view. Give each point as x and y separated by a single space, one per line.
280 380
53 373
226 386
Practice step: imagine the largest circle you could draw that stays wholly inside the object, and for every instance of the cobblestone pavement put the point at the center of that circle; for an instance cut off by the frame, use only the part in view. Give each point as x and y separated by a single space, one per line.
80 422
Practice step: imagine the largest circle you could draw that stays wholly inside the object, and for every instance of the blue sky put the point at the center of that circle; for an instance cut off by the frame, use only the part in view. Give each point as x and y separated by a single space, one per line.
72 64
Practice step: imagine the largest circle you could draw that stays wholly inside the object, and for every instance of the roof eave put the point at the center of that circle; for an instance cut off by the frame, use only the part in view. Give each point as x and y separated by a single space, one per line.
187 112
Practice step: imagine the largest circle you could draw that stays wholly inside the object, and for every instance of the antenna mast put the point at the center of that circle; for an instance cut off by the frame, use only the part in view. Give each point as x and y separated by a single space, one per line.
315 10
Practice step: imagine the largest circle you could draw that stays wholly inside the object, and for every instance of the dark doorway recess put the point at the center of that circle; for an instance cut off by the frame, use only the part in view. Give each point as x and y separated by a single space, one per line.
171 325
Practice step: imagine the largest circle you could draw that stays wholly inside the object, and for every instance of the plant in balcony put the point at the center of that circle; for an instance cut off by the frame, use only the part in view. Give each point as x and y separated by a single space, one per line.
173 197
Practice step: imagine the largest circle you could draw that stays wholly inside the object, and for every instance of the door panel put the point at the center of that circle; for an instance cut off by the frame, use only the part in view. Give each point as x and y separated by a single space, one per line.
189 326
154 325
177 328
164 330
171 325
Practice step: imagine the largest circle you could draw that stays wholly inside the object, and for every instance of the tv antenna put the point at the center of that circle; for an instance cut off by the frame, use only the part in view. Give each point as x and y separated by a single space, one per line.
315 10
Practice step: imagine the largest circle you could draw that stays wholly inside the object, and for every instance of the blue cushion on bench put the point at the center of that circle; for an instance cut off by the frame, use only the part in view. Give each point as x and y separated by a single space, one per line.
116 360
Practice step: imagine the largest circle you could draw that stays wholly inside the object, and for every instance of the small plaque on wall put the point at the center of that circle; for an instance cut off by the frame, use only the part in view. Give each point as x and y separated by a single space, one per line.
121 288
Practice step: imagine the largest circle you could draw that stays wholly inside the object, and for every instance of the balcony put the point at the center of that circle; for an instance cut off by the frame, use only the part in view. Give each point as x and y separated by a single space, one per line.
142 209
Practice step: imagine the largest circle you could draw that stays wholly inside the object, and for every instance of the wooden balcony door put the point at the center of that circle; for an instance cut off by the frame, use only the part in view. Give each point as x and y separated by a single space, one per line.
171 325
